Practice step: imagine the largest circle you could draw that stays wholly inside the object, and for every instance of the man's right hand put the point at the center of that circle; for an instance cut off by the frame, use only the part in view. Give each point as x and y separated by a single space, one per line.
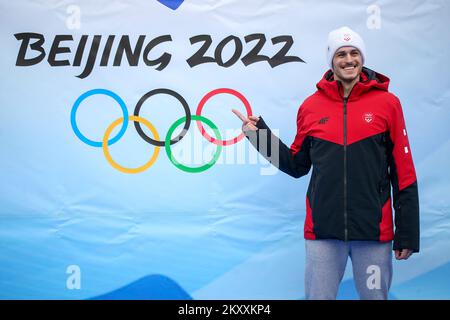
248 124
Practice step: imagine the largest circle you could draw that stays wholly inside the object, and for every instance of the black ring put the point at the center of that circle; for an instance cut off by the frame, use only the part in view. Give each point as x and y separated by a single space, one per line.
176 96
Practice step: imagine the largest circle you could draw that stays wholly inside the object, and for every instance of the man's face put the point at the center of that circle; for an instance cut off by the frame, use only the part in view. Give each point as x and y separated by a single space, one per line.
347 64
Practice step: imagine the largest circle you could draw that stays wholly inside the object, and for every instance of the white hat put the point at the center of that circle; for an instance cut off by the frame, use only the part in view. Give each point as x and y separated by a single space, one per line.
344 37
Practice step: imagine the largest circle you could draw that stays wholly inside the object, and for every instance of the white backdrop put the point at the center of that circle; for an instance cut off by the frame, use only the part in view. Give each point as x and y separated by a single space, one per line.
73 226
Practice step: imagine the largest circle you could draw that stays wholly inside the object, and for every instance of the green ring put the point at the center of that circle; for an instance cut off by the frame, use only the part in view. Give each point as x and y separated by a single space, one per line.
180 166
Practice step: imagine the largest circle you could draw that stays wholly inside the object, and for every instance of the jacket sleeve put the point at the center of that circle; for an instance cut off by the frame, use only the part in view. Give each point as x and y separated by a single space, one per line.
294 161
404 184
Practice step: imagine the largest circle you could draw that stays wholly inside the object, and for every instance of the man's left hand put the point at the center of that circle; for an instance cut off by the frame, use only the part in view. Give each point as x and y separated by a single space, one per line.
403 254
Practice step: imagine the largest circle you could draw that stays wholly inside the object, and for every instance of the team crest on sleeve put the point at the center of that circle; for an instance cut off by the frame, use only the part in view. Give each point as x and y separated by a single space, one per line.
368 117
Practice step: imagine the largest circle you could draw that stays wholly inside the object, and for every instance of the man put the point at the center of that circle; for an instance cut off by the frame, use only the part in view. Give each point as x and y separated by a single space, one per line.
352 131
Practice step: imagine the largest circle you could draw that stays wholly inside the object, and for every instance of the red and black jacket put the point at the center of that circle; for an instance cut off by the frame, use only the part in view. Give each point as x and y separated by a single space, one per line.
358 148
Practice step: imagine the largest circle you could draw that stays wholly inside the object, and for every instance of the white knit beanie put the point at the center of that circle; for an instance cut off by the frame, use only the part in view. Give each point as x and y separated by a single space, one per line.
344 37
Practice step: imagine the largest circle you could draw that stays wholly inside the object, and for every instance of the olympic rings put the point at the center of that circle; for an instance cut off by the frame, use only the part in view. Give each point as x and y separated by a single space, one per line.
186 168
115 164
74 113
176 96
155 140
202 104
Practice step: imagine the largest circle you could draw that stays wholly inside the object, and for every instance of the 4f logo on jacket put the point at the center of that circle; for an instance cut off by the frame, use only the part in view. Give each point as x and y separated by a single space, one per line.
323 120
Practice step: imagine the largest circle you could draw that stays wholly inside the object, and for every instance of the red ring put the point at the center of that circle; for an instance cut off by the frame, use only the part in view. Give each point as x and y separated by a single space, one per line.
202 104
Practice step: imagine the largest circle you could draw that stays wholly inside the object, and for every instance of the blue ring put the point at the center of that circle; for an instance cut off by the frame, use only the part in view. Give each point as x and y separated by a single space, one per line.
77 104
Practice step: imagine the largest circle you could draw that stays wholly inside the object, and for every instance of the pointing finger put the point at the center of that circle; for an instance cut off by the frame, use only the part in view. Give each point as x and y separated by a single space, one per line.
240 115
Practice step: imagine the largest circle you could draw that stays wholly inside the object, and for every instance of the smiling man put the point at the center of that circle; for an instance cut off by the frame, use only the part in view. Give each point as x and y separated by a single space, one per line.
352 132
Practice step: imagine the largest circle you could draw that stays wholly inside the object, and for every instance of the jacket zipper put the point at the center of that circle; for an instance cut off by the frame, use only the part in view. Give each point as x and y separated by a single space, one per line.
345 170
345 100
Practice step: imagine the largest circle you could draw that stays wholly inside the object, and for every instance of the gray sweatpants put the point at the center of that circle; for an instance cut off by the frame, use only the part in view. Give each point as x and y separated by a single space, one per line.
326 261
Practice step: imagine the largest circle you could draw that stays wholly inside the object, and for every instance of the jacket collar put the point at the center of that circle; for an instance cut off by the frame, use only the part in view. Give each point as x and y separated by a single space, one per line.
369 80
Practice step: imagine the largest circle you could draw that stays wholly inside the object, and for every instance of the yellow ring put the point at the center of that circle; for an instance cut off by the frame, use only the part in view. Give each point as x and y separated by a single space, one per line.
114 164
